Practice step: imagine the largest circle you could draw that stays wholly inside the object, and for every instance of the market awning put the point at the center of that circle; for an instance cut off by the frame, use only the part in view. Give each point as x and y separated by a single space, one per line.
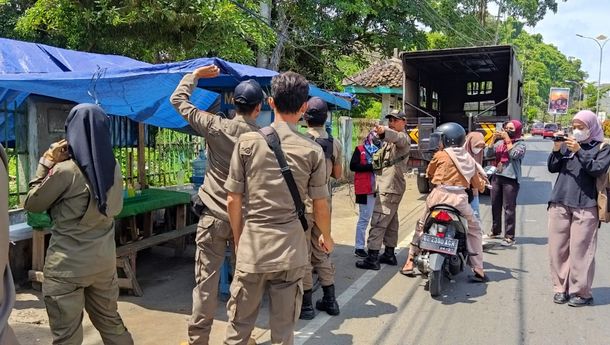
121 85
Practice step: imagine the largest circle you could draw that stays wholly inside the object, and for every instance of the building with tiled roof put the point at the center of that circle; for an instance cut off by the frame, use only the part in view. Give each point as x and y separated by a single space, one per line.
383 78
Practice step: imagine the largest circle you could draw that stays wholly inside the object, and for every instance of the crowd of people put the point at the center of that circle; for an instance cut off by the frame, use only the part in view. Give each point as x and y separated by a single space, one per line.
266 195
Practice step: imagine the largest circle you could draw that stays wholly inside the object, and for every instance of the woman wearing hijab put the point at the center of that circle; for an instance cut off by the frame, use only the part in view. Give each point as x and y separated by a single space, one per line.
505 183
79 183
474 145
573 213
364 186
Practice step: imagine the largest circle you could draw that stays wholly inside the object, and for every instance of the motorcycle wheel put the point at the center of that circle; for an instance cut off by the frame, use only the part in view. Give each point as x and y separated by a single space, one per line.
435 283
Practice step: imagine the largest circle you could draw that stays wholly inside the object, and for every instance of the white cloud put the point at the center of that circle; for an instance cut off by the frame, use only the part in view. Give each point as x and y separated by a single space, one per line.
586 17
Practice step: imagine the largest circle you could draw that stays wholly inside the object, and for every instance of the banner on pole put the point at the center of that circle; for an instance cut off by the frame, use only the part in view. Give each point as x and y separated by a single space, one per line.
559 100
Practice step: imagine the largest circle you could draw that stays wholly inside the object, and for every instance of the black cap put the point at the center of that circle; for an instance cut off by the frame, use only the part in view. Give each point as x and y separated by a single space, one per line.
248 92
399 114
317 111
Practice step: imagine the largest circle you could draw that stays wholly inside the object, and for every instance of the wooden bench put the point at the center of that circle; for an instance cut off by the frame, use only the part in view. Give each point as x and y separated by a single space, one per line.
126 254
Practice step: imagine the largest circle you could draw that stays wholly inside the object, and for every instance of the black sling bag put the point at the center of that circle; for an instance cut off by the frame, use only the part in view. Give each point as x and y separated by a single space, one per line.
273 141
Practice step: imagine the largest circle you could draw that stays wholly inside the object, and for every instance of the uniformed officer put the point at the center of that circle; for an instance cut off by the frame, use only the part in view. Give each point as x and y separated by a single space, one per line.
392 157
315 116
79 183
270 240
7 288
213 230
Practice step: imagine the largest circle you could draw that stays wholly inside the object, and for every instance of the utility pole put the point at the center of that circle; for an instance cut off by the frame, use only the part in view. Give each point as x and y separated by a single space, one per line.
601 41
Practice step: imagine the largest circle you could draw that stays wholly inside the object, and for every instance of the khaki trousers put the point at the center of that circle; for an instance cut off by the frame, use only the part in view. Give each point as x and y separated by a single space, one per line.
384 222
285 297
65 299
213 236
572 245
320 262
459 200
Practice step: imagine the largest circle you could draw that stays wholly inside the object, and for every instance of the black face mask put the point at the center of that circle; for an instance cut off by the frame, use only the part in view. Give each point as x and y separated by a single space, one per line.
511 134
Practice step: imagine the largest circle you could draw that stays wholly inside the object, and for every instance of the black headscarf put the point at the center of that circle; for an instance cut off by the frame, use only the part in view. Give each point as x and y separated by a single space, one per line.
88 135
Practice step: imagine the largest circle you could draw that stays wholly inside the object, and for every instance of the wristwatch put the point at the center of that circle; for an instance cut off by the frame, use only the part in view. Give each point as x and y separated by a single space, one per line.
46 163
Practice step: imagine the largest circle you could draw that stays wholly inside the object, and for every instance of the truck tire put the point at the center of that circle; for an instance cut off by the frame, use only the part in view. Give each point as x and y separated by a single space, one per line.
423 185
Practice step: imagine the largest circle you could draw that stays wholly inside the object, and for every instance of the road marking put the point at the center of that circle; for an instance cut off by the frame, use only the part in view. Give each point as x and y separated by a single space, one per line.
302 336
312 327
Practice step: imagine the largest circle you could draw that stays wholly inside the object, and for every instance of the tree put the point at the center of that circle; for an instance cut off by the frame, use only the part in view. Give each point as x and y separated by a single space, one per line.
154 31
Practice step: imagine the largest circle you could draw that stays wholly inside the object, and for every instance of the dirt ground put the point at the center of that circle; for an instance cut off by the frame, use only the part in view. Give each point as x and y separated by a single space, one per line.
161 315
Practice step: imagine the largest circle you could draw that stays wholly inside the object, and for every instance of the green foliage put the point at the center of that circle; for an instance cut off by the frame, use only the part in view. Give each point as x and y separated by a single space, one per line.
153 31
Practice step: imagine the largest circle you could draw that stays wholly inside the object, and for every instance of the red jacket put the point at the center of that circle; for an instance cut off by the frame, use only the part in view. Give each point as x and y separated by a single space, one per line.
363 171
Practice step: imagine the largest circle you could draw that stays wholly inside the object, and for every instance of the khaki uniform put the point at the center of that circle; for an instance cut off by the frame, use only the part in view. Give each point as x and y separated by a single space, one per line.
320 261
272 250
7 289
213 229
390 187
80 266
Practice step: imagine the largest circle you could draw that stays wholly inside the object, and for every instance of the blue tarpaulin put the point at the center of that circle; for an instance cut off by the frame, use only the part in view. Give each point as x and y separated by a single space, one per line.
121 85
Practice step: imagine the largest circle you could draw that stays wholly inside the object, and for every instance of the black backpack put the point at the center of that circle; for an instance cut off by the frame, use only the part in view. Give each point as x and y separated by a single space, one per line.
327 146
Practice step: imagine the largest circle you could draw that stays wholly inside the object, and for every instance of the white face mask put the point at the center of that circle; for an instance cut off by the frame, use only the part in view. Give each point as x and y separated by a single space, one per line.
581 135
476 150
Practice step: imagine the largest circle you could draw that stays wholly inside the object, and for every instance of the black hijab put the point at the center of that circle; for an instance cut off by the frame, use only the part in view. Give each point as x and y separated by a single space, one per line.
88 135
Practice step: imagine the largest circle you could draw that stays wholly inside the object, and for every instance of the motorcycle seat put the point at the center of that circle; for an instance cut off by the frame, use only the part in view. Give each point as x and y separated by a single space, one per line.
446 208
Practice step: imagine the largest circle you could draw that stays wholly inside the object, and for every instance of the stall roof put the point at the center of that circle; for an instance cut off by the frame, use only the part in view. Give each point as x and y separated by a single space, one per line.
122 86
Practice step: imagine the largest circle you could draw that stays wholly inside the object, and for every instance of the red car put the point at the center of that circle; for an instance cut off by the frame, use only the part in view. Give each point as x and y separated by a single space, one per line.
549 130
537 129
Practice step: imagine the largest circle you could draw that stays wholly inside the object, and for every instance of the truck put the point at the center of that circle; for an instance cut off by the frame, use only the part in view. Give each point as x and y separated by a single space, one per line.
477 87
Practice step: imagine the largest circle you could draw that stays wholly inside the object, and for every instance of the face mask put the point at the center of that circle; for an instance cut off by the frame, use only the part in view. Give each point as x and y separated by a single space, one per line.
477 150
511 134
581 135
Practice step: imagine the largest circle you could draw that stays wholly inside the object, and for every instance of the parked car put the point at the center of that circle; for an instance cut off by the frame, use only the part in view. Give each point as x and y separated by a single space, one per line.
549 130
537 129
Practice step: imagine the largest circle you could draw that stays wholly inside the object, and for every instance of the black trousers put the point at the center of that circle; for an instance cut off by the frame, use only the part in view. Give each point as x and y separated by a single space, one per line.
504 192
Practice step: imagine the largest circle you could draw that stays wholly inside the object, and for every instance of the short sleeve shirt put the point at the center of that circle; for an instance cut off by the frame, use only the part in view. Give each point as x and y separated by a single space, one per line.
273 239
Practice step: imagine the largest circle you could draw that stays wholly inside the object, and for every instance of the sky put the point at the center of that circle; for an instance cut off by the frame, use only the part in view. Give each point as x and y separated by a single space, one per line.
586 17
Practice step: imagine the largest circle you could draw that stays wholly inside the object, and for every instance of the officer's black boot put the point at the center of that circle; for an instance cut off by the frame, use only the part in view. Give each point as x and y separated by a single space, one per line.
307 311
371 262
328 303
388 257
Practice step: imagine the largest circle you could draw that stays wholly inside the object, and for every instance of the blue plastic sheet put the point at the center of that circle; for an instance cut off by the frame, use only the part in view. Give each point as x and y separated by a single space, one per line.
121 85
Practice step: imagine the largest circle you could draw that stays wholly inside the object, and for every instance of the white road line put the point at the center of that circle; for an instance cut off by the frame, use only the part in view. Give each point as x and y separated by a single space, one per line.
314 325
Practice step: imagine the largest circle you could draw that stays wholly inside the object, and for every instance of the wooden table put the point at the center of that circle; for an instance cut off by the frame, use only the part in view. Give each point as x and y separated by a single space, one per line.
144 204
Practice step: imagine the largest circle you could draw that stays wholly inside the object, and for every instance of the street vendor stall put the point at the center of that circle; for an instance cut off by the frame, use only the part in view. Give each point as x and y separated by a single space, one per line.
128 243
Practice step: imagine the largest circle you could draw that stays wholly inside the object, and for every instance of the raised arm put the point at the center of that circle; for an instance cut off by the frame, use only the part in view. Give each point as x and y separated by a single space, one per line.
181 98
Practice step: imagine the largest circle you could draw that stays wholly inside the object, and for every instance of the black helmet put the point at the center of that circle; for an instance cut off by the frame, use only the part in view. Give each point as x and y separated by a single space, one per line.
450 134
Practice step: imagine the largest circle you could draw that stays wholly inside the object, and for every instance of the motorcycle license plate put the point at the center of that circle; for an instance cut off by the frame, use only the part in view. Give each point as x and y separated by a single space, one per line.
438 244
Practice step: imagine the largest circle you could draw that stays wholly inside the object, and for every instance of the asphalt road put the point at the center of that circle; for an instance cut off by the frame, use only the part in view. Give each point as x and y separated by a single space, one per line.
516 307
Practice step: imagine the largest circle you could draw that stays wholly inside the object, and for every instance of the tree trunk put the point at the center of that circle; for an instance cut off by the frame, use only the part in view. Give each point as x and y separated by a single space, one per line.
282 36
262 59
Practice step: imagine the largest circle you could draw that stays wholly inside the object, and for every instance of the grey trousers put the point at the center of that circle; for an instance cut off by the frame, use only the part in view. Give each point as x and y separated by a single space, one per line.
572 245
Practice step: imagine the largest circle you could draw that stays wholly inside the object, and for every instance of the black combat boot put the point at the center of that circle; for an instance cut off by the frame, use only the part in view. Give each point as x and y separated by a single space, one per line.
388 257
328 303
371 262
307 311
